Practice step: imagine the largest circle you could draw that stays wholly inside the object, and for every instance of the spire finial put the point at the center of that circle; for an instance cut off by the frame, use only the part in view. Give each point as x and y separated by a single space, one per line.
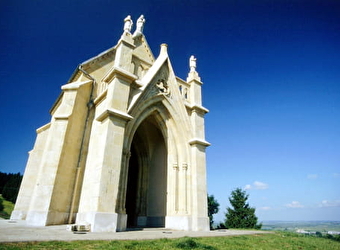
164 48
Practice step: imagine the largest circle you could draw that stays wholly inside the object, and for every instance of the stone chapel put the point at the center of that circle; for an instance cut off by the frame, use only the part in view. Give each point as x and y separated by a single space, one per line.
125 146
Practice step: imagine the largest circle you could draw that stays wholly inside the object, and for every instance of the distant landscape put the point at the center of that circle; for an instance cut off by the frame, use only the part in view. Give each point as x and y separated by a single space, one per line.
293 226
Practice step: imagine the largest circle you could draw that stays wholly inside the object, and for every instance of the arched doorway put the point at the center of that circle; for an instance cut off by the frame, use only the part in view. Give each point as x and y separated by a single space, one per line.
147 177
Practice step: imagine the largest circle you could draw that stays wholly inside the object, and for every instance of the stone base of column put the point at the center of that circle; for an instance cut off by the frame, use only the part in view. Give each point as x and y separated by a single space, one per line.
43 218
103 222
201 224
36 218
187 223
178 222
18 215
121 222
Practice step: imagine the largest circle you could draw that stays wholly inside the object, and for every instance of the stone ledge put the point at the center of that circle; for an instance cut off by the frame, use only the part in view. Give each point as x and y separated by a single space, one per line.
114 112
196 141
43 128
120 73
198 108
61 117
100 97
74 85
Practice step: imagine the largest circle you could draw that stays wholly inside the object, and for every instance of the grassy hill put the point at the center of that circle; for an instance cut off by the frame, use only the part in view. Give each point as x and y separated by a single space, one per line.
272 241
8 208
275 240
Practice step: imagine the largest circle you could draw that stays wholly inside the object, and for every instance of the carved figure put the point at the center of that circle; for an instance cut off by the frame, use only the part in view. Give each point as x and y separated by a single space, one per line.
128 24
192 64
163 87
140 24
139 27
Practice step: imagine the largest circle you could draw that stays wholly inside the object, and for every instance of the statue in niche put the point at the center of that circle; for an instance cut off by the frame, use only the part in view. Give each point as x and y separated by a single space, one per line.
128 24
139 26
192 64
163 87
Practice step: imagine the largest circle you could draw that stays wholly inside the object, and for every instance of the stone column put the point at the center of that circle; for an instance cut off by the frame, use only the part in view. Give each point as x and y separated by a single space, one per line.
123 183
183 194
175 187
100 203
200 220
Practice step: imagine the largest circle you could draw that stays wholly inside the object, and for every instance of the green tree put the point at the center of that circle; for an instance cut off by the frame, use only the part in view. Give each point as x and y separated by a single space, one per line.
1 204
213 207
11 188
4 178
241 215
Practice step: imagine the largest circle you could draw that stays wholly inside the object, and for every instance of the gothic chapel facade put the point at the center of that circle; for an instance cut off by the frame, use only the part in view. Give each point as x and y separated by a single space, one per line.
125 146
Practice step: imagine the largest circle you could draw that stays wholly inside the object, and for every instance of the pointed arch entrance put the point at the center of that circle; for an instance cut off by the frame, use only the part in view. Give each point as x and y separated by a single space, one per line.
146 193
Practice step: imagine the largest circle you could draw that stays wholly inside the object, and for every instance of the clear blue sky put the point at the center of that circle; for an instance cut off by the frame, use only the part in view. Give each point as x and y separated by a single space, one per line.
271 72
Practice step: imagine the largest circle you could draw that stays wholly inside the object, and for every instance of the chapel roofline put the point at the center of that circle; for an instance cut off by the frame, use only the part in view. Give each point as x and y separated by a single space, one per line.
138 39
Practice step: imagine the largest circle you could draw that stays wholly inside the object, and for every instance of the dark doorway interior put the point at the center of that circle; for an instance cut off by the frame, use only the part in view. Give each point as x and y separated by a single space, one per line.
147 177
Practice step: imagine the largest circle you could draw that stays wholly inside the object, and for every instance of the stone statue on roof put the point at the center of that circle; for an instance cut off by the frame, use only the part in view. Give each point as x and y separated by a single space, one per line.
139 26
192 64
193 74
128 24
